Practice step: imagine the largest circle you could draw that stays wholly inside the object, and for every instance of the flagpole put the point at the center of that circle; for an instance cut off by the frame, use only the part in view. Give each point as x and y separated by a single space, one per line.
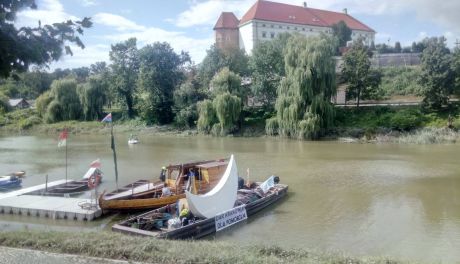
114 154
65 161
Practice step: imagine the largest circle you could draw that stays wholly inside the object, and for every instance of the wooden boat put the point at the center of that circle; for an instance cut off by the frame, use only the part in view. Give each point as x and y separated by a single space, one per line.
154 223
221 198
9 182
144 195
72 186
19 174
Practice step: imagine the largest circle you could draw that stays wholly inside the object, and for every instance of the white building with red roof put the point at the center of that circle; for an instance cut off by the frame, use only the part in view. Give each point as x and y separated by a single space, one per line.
266 19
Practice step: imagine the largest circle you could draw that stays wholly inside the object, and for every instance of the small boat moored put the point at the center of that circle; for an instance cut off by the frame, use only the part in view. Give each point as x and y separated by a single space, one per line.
133 140
9 182
92 176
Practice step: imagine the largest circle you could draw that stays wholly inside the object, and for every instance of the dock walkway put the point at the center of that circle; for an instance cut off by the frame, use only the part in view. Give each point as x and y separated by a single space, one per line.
18 202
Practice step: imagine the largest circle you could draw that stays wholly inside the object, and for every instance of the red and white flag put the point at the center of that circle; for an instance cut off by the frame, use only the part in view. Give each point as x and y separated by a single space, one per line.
95 164
63 138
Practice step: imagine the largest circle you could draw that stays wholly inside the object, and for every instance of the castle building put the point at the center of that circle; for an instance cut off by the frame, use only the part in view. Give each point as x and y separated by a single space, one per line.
266 19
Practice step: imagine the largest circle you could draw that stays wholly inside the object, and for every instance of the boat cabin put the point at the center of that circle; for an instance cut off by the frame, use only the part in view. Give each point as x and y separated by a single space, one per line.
199 177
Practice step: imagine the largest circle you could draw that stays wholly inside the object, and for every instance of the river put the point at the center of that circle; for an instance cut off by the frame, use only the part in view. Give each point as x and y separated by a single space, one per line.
401 201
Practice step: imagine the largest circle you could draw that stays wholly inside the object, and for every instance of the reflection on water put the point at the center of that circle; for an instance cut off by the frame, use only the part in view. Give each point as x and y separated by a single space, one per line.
401 201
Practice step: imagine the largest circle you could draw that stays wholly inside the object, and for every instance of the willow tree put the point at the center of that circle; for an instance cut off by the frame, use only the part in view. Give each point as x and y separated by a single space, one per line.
228 110
303 107
65 104
222 115
207 116
93 96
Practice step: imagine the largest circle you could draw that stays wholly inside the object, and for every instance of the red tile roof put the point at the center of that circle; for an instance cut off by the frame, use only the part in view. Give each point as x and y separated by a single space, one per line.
278 12
227 20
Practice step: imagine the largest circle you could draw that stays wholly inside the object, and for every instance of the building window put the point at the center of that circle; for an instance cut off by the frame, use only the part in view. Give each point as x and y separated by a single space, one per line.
264 34
311 30
272 26
281 26
303 29
295 28
263 25
288 27
272 35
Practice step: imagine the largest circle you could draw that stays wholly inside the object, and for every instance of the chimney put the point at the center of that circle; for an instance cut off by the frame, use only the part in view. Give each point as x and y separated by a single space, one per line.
345 11
305 4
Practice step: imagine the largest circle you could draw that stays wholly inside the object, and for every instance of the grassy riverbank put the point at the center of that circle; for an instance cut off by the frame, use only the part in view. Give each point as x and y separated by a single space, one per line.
407 124
117 246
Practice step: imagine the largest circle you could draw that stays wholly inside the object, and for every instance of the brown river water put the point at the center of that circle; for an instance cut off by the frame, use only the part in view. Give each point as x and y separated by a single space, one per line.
400 201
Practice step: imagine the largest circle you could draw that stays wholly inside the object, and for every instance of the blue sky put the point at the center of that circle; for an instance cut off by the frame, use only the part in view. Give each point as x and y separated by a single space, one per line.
187 24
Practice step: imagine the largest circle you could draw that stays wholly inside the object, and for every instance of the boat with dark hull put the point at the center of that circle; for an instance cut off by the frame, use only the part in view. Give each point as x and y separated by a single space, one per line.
73 186
9 182
145 195
155 223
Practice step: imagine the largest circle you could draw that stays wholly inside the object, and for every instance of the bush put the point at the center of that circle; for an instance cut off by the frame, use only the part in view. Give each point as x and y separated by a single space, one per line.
400 81
406 119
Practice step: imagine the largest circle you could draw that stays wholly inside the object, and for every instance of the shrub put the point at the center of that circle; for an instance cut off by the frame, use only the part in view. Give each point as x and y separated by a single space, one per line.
406 119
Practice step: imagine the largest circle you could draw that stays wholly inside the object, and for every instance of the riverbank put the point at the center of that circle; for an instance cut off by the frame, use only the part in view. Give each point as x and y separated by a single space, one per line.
121 247
401 124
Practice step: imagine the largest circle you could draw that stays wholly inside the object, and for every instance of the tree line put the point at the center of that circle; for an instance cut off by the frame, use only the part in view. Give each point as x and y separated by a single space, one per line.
292 78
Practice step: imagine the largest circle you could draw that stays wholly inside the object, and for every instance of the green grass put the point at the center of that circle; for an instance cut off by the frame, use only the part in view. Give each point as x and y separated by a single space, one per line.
123 247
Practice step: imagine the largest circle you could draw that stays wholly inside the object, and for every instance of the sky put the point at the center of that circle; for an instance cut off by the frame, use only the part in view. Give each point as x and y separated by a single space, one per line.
187 24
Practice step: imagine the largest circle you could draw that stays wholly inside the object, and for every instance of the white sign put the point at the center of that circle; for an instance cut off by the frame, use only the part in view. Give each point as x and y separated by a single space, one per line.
230 217
266 185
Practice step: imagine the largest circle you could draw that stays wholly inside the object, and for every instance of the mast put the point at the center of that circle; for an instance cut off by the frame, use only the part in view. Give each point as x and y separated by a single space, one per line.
114 154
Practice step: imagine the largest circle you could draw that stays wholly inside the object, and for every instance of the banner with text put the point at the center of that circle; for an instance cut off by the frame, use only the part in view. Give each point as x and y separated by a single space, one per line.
230 217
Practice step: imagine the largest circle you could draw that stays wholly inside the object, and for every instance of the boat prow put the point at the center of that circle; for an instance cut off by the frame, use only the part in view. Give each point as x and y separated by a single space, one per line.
221 198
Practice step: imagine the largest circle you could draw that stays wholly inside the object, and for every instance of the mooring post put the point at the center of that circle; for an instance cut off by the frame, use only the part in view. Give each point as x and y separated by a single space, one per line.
46 183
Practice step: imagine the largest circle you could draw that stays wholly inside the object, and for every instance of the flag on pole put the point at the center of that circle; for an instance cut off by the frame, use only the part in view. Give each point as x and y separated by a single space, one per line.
95 164
107 118
62 138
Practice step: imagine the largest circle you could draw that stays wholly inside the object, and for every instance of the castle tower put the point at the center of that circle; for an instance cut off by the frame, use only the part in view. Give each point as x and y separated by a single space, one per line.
226 31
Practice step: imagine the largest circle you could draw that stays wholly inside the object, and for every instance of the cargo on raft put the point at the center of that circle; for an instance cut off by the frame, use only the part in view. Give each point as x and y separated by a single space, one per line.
165 223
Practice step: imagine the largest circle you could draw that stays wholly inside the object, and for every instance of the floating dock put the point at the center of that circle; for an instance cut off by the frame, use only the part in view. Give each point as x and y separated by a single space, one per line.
18 202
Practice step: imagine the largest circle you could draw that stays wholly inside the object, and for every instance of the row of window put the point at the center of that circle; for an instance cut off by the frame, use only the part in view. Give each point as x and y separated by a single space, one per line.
294 28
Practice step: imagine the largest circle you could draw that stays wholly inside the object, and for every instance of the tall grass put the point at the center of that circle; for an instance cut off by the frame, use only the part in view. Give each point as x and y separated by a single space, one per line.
429 136
117 246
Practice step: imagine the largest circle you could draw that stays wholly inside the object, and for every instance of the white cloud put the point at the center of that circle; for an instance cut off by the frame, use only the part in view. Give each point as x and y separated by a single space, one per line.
48 12
178 40
83 57
88 3
120 23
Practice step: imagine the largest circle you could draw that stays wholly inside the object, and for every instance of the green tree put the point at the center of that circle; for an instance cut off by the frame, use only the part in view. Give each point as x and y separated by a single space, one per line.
303 107
362 80
227 81
186 99
42 102
267 66
437 77
342 32
207 116
34 45
93 96
456 67
65 104
397 47
4 105
228 110
216 59
161 71
125 68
